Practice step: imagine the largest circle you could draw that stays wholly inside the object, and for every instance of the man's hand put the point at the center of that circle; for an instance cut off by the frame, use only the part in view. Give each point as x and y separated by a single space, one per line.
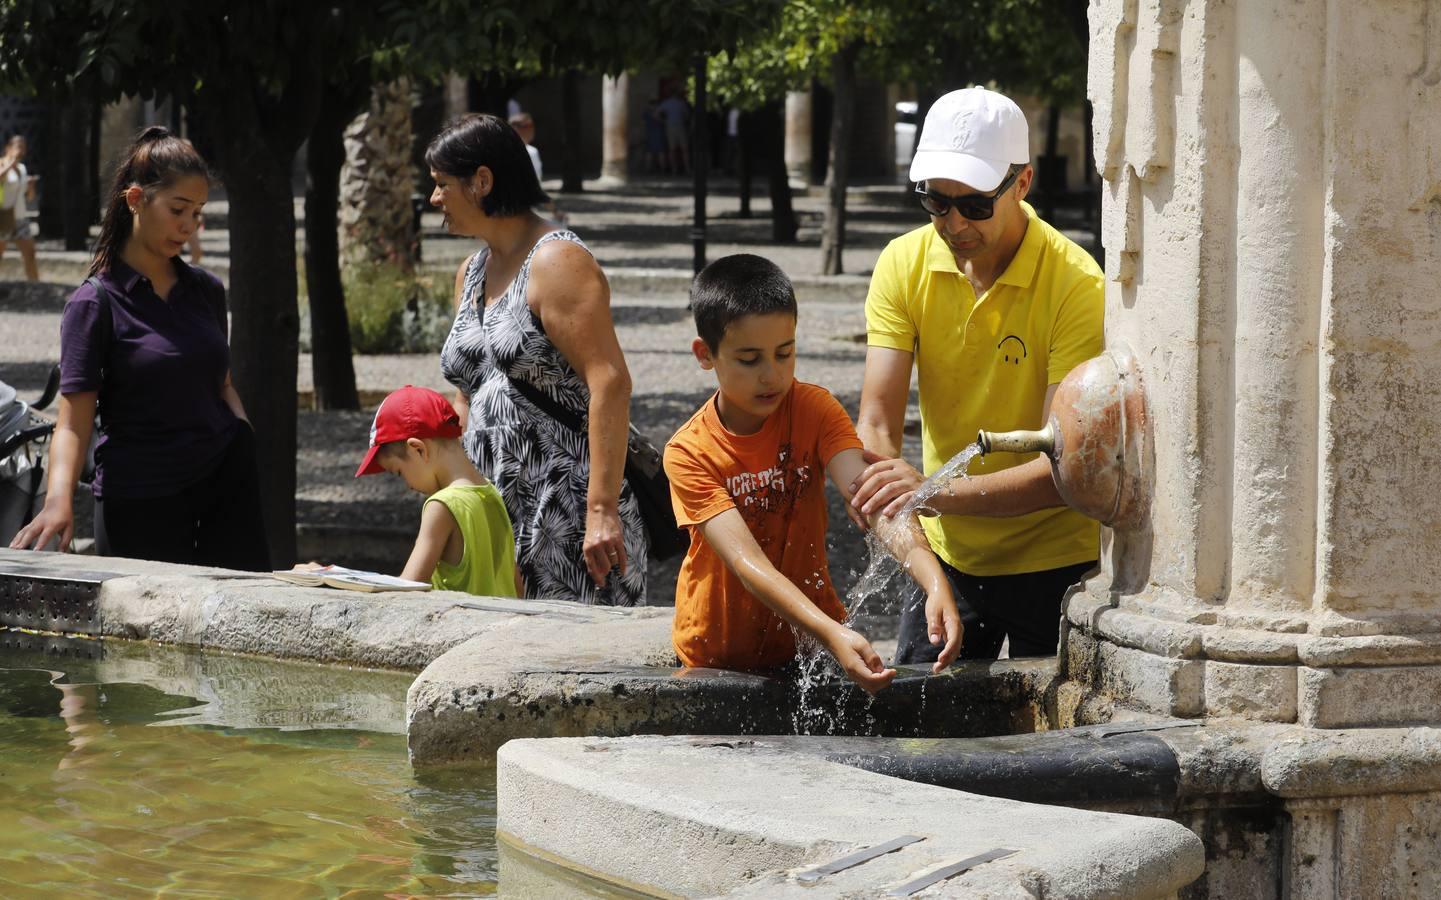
943 623
885 486
859 660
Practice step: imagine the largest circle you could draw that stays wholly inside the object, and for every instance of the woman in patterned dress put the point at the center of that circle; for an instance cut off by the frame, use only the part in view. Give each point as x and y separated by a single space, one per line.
533 316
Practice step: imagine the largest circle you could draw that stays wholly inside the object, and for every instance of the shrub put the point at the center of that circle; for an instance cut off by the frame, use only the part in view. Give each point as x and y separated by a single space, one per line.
392 311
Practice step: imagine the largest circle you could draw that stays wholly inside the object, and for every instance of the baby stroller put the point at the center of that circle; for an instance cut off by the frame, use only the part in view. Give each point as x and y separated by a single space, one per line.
24 437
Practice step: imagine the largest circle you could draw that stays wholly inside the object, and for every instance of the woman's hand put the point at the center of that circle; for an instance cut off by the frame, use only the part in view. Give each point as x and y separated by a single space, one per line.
604 546
56 520
72 433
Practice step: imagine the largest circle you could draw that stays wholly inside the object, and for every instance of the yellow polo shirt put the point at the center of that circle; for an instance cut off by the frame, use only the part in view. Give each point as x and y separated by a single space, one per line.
985 363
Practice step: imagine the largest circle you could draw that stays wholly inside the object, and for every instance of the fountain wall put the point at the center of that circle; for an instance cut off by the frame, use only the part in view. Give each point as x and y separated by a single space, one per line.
1272 223
1272 230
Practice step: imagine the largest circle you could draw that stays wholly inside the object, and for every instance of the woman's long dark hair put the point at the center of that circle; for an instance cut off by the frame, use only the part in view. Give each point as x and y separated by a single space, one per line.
478 139
156 160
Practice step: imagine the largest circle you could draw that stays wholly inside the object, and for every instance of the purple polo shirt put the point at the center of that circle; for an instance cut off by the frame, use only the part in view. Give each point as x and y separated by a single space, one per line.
158 366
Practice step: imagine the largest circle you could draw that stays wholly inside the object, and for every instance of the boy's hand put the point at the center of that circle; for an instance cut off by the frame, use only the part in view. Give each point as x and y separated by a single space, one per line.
943 623
859 660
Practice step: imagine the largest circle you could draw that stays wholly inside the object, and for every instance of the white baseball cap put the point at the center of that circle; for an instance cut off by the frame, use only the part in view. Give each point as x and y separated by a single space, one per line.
973 136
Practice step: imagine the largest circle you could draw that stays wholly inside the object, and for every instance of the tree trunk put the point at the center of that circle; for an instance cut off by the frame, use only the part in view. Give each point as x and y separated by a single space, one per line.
330 363
491 93
699 166
570 166
75 179
742 151
377 220
255 165
1052 178
833 228
265 321
773 153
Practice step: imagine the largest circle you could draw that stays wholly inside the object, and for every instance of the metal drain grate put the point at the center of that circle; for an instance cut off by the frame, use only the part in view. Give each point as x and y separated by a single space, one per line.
67 604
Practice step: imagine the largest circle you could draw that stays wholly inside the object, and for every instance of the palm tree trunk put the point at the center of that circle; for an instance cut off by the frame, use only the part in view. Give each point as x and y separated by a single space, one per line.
377 221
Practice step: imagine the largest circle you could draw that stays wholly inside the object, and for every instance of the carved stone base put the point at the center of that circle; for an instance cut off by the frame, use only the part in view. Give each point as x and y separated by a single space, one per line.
1205 669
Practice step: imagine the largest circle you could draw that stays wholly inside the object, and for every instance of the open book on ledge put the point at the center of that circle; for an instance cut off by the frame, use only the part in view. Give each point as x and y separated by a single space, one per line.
347 579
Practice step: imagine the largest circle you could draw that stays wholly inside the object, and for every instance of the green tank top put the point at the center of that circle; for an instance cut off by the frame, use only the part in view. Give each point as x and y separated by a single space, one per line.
487 565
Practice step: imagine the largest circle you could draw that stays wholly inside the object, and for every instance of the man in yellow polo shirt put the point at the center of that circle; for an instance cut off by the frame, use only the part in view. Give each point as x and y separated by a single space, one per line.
993 307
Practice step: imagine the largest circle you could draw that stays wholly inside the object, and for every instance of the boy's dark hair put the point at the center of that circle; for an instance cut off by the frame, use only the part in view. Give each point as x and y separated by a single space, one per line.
476 140
398 449
742 284
391 450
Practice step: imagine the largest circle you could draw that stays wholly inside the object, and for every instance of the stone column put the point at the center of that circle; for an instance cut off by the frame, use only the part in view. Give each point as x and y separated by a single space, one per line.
615 131
798 135
1272 225
457 95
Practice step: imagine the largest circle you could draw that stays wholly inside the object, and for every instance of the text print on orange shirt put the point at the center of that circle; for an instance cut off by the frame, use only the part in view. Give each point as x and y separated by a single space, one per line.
762 493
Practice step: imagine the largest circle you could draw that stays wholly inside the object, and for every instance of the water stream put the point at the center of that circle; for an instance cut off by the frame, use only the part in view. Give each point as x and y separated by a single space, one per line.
882 569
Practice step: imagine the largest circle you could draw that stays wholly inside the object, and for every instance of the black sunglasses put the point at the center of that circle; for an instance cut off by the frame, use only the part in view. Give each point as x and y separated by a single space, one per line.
976 207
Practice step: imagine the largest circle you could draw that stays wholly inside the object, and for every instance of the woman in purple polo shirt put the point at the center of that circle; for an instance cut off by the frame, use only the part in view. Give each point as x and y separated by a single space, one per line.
143 340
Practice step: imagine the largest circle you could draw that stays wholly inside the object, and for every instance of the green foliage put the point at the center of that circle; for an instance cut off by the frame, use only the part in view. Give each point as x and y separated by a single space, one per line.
392 311
1018 45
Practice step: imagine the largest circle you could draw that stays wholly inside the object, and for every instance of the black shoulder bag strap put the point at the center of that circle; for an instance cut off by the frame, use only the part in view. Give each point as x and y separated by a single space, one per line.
644 470
546 405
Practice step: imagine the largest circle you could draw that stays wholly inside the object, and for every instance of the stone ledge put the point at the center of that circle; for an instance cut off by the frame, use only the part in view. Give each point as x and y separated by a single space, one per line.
1319 697
633 810
246 612
1311 764
1130 627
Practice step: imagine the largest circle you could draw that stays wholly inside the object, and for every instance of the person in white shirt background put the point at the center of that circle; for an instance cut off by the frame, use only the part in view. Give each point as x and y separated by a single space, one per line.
524 126
19 192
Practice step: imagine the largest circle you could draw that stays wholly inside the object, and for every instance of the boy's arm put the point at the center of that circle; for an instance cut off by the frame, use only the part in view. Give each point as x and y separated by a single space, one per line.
436 527
733 542
907 542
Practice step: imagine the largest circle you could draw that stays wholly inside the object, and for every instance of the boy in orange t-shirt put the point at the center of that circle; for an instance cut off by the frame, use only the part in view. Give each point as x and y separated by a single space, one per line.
747 476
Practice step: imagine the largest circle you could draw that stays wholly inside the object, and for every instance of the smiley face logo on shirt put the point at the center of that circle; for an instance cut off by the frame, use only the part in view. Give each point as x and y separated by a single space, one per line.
1012 349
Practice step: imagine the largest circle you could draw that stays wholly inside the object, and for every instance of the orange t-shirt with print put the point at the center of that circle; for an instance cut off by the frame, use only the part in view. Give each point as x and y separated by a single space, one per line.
776 479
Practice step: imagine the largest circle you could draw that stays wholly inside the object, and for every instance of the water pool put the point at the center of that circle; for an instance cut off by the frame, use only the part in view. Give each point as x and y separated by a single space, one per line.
130 770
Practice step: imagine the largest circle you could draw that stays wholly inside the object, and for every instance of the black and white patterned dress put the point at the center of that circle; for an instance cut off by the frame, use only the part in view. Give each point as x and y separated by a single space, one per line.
541 467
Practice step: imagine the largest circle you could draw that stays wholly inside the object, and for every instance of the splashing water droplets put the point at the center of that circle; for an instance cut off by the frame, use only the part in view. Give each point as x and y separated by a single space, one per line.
941 481
881 567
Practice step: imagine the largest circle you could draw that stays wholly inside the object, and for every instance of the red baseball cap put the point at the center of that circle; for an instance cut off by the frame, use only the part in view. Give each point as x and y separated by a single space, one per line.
411 412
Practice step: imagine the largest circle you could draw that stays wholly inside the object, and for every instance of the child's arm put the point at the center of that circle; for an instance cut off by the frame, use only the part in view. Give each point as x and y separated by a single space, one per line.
906 541
733 542
436 527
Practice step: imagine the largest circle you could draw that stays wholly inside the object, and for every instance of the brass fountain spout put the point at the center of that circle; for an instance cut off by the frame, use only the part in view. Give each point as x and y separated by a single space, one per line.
1097 439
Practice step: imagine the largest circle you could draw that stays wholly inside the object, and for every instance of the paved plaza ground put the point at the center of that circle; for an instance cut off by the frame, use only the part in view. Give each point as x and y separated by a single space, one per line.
641 235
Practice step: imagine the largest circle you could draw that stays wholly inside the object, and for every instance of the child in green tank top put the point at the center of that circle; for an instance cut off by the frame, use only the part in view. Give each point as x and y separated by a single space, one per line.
466 542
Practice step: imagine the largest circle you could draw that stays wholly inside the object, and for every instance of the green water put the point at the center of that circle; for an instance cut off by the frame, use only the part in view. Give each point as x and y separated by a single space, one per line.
133 771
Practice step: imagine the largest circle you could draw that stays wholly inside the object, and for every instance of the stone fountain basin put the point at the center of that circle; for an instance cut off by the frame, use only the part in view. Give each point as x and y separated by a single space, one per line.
540 678
495 669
